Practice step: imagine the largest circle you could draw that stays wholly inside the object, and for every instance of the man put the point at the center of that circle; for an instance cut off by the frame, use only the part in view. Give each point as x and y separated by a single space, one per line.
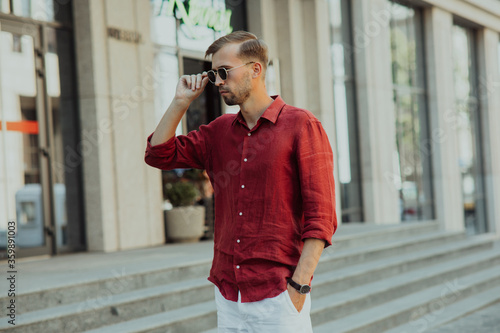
271 167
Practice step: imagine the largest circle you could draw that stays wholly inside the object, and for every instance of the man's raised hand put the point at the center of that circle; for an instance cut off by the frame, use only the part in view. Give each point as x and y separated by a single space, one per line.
190 87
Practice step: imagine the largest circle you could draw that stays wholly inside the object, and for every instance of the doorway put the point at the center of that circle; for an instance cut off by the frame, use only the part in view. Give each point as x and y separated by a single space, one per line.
208 106
40 171
25 204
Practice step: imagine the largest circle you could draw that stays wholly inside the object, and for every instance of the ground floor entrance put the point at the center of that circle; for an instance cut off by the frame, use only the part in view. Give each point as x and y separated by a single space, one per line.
40 192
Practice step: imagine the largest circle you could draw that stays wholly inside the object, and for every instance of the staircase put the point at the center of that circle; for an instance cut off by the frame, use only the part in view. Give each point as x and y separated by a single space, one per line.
402 278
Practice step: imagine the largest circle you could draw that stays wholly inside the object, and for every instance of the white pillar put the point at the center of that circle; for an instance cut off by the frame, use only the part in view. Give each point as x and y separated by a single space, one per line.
122 194
443 121
489 93
372 56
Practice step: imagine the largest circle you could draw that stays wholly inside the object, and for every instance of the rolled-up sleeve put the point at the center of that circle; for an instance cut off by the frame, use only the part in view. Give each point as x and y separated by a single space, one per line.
182 151
315 163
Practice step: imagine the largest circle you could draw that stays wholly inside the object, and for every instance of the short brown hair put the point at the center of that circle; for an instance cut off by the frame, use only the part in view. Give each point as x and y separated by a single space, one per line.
251 47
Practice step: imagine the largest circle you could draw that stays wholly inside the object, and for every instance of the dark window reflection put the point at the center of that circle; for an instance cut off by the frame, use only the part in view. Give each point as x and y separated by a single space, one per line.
467 118
414 180
40 10
345 111
66 163
207 107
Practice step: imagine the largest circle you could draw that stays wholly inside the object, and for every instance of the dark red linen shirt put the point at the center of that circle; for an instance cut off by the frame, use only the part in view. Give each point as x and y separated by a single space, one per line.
273 188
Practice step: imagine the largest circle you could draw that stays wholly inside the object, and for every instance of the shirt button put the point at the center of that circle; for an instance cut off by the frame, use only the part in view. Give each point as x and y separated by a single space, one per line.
242 186
241 213
238 241
249 134
237 266
245 160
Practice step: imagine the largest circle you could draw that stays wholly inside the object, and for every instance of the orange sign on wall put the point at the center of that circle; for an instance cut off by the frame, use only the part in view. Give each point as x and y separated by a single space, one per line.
26 126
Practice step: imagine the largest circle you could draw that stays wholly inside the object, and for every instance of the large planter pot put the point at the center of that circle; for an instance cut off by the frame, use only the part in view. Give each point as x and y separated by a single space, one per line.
185 224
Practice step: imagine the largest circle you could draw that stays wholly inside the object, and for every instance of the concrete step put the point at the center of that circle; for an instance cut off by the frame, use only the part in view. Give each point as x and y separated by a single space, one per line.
359 298
94 313
190 262
352 276
377 265
440 315
194 318
373 294
107 287
485 320
121 281
349 235
411 307
213 330
332 258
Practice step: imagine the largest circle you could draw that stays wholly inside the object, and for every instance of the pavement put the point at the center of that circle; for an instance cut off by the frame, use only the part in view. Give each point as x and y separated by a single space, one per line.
46 272
39 273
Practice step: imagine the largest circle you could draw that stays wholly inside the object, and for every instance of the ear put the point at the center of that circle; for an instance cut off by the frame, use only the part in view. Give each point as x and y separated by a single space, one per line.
257 70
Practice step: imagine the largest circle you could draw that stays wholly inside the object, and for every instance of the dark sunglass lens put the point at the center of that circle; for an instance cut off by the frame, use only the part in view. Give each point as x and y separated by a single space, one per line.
211 76
222 73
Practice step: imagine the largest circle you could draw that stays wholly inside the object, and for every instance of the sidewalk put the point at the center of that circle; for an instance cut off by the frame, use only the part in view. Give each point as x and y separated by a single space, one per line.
70 269
35 274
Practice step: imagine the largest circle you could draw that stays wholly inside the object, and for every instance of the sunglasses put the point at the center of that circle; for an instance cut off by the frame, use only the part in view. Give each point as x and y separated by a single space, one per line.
222 72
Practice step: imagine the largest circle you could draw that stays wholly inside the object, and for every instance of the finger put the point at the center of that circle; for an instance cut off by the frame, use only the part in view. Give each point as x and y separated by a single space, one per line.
204 82
193 82
198 81
187 80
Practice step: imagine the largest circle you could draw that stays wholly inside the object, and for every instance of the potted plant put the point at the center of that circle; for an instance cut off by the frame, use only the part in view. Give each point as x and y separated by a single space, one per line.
185 222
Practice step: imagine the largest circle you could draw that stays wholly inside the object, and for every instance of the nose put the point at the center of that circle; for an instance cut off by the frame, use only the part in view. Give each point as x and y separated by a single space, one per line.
218 81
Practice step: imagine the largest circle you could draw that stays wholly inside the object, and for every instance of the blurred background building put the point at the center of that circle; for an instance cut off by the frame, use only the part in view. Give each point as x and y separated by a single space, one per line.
408 92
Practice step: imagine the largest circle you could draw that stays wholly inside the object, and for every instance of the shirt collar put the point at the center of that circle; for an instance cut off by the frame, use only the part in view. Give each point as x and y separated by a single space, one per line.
272 112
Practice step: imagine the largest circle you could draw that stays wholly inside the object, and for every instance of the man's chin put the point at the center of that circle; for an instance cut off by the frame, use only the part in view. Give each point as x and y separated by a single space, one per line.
229 101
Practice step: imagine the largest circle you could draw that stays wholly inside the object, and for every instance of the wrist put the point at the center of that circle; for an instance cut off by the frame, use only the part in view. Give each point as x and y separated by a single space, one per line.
301 288
180 104
301 279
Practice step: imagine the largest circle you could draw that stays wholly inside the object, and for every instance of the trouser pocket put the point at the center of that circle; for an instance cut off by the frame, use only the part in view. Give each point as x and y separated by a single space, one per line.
289 303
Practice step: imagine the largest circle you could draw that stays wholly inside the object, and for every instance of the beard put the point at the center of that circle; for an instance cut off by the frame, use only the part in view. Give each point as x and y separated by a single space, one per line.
240 94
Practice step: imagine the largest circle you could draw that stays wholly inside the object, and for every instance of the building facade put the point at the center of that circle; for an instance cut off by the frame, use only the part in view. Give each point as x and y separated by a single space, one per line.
407 91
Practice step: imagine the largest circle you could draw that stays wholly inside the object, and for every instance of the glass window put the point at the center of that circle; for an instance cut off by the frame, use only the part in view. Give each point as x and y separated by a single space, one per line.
181 32
467 124
69 147
20 178
345 110
207 106
194 24
27 100
408 75
40 10
163 24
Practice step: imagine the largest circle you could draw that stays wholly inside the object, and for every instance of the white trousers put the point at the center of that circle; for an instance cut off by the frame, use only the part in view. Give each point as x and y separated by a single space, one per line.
270 315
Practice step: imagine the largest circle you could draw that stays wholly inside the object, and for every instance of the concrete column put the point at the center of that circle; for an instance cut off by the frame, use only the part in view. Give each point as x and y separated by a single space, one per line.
443 121
291 48
260 18
372 57
489 93
149 80
116 87
93 86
